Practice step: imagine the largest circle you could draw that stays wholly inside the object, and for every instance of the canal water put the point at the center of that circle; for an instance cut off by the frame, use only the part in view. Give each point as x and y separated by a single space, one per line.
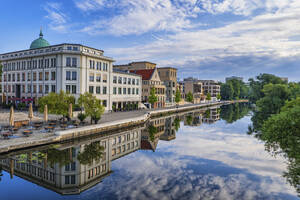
203 154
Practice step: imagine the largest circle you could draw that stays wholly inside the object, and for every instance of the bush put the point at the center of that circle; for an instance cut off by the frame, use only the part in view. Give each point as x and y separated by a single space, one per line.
81 117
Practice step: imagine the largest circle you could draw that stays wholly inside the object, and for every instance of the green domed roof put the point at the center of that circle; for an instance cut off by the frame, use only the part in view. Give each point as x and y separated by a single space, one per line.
40 42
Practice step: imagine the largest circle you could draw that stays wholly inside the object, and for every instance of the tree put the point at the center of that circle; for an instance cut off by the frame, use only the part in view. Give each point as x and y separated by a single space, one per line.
189 97
57 103
92 106
274 98
177 123
218 96
153 97
227 91
177 96
1 70
152 132
208 97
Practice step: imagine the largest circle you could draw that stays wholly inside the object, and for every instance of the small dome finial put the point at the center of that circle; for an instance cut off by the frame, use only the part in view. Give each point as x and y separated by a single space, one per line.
41 32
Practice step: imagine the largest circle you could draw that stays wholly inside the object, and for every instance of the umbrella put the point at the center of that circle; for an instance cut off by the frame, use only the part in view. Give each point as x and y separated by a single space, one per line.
46 113
30 112
11 116
70 111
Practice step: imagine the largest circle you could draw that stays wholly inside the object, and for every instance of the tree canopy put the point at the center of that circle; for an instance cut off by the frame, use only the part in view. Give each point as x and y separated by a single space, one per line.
177 96
189 97
153 97
92 106
57 103
208 97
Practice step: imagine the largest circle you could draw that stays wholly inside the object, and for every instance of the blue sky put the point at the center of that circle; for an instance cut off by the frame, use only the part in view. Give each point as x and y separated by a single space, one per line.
208 39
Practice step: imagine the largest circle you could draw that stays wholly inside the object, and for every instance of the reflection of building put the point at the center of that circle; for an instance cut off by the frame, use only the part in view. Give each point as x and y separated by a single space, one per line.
211 115
169 77
32 73
74 177
193 119
170 132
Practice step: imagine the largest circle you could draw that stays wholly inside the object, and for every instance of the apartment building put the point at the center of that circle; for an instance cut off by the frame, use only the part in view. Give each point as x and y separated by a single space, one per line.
194 86
212 87
151 79
43 68
169 77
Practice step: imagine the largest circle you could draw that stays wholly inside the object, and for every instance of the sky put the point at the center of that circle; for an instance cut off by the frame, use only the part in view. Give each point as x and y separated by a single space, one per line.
206 39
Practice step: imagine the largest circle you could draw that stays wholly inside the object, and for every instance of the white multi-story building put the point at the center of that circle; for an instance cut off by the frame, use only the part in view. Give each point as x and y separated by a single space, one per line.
74 68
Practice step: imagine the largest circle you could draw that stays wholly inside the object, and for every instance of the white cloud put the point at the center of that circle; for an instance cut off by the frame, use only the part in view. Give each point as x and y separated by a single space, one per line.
58 20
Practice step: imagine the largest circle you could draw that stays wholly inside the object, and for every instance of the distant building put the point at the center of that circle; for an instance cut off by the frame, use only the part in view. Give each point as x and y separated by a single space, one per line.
136 66
284 79
151 79
169 77
212 87
234 78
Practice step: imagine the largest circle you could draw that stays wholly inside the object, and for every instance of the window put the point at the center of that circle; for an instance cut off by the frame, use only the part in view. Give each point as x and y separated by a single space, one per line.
120 80
68 75
68 62
98 89
98 78
46 89
124 80
69 48
68 88
28 76
73 179
40 76
114 79
104 78
119 90
74 62
46 76
34 76
114 90
129 81
137 91
74 76
67 180
129 90
133 81
73 89
124 90
104 103
53 89
91 89
53 76
40 88
104 90
92 77
28 88
133 90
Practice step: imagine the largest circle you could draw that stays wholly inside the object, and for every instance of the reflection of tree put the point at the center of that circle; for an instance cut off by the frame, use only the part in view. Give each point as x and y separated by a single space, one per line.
207 113
58 156
189 119
233 112
91 152
152 131
177 123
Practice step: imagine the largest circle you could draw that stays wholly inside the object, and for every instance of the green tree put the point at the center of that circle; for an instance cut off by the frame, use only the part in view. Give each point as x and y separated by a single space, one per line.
92 106
208 97
152 132
281 133
274 98
219 96
57 103
177 123
226 91
177 96
153 97
189 97
91 152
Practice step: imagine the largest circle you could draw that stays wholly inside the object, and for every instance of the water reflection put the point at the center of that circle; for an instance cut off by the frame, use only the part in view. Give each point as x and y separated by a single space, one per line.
205 160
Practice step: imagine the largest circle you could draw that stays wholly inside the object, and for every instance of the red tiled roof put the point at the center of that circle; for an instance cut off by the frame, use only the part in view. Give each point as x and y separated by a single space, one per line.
145 73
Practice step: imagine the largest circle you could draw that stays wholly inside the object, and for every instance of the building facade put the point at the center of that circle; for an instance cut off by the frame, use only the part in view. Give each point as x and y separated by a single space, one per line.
212 87
30 74
169 77
136 66
151 79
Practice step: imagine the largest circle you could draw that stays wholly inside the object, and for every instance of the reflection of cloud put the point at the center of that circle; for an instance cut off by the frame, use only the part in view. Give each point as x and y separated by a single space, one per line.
207 162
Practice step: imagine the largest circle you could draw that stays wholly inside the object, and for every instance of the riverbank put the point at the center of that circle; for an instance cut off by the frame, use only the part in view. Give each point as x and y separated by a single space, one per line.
109 122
